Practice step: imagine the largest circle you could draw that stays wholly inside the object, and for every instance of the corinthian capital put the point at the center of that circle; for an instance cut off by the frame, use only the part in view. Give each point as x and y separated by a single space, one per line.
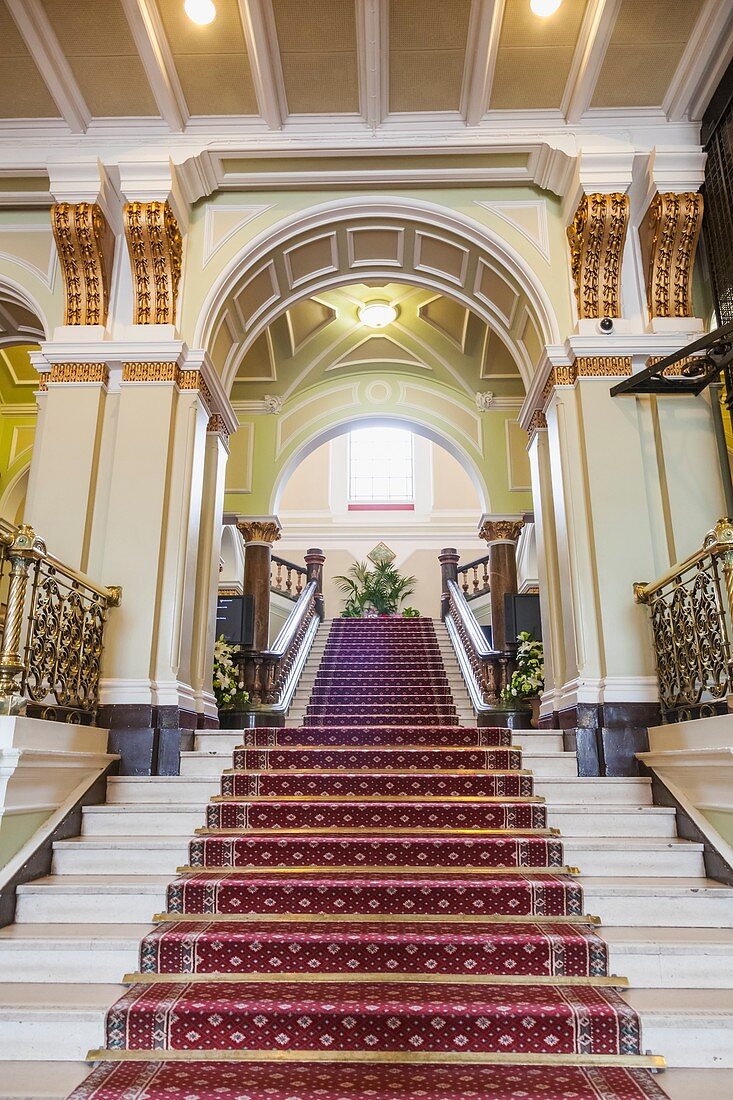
500 528
259 529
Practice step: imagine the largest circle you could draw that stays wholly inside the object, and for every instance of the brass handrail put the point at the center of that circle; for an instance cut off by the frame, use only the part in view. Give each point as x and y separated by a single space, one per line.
690 608
53 631
487 671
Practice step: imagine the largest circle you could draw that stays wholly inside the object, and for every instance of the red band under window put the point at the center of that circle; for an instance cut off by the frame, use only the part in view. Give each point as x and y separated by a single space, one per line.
381 507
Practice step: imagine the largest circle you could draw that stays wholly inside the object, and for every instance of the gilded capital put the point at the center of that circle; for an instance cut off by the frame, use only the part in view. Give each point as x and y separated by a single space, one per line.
156 247
668 236
85 244
501 530
596 238
259 530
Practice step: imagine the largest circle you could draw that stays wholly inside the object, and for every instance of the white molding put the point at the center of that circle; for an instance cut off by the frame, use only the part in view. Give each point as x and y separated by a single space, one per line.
372 30
590 53
264 60
250 210
157 60
703 63
481 53
55 71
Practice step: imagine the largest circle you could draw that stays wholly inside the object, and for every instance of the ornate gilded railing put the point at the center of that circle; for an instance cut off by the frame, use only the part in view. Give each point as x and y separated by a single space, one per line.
270 676
473 578
486 671
53 631
287 578
690 608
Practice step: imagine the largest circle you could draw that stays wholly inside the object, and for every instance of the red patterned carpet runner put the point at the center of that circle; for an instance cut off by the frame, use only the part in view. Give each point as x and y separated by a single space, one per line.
374 909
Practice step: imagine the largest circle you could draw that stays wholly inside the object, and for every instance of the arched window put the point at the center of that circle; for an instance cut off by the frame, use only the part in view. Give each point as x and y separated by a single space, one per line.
381 469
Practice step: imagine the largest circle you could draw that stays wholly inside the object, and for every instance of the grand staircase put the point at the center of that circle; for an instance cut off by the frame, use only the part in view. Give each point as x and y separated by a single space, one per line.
377 903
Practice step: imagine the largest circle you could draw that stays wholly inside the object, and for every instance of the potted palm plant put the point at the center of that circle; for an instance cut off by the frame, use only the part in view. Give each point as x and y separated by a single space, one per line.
373 590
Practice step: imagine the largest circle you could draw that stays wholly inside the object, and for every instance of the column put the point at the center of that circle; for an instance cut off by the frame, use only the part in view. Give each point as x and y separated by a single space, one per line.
259 534
501 534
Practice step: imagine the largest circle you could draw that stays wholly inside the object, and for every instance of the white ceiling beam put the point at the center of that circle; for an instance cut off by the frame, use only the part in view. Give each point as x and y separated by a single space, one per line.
152 45
260 35
705 59
39 37
590 53
482 50
372 38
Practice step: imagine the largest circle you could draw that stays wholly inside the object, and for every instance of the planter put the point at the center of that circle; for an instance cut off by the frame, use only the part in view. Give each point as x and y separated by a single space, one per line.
236 719
513 716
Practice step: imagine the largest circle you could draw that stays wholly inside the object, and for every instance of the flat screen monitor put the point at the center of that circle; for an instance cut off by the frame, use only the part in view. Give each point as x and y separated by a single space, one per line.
235 619
522 612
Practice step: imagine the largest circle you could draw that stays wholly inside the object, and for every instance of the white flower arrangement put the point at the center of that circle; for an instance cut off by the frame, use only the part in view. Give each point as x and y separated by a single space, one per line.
528 679
229 691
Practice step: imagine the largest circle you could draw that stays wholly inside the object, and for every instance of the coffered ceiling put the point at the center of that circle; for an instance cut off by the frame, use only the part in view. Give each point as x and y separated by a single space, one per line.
270 63
432 335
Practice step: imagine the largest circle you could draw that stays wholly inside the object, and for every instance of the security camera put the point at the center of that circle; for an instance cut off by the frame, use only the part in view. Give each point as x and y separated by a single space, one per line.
606 325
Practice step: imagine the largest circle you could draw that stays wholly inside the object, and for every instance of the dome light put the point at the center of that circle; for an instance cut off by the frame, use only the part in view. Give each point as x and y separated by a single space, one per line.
544 7
377 314
202 12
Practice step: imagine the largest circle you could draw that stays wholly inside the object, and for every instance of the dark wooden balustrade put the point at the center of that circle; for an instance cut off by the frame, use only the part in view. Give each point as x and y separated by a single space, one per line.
287 578
486 671
473 578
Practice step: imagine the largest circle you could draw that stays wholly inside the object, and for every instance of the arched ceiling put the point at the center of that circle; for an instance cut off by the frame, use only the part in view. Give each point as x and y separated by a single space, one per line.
322 337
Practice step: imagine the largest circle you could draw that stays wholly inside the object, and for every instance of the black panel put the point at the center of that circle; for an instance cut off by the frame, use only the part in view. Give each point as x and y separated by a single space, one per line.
522 612
235 617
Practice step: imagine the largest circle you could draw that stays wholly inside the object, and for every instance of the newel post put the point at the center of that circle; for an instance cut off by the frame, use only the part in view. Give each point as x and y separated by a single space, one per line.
314 560
448 558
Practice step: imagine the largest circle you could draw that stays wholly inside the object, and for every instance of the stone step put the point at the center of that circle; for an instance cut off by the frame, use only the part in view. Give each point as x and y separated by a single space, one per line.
220 744
669 958
133 899
153 855
55 1080
692 1028
571 789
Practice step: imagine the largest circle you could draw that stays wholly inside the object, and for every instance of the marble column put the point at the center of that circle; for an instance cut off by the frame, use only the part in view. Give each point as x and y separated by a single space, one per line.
259 534
501 534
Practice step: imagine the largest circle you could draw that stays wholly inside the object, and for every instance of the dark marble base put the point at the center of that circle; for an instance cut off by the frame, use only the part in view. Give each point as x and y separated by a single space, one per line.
605 736
149 739
519 718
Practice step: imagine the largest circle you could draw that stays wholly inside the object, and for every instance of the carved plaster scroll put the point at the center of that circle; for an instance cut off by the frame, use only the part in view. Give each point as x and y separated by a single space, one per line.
155 246
668 235
596 237
85 245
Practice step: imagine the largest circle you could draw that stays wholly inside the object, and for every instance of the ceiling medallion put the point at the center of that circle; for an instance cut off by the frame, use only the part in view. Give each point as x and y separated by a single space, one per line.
377 314
381 554
201 12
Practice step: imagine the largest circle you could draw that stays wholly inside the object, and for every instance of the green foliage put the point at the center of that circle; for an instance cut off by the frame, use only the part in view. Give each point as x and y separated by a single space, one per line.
410 613
229 692
380 588
529 676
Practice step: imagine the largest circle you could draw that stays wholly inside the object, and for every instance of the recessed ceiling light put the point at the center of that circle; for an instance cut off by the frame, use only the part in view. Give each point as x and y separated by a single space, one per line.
544 7
200 11
377 314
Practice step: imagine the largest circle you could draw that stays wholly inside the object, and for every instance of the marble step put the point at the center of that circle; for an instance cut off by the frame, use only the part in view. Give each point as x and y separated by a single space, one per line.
181 819
133 899
55 1080
572 790
218 745
692 1028
667 958
153 855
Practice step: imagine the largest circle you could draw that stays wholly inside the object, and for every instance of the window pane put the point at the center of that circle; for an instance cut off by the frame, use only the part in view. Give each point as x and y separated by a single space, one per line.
380 465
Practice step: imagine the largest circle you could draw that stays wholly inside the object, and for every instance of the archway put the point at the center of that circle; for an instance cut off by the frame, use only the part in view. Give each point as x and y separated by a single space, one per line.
376 240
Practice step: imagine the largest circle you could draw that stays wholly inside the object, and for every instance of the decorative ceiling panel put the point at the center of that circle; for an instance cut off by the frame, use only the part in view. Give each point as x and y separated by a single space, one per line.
23 93
318 55
427 54
645 48
98 45
212 62
534 56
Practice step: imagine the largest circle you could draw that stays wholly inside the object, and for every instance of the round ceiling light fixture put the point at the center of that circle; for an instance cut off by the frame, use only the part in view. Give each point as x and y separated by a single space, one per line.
544 7
202 12
377 314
